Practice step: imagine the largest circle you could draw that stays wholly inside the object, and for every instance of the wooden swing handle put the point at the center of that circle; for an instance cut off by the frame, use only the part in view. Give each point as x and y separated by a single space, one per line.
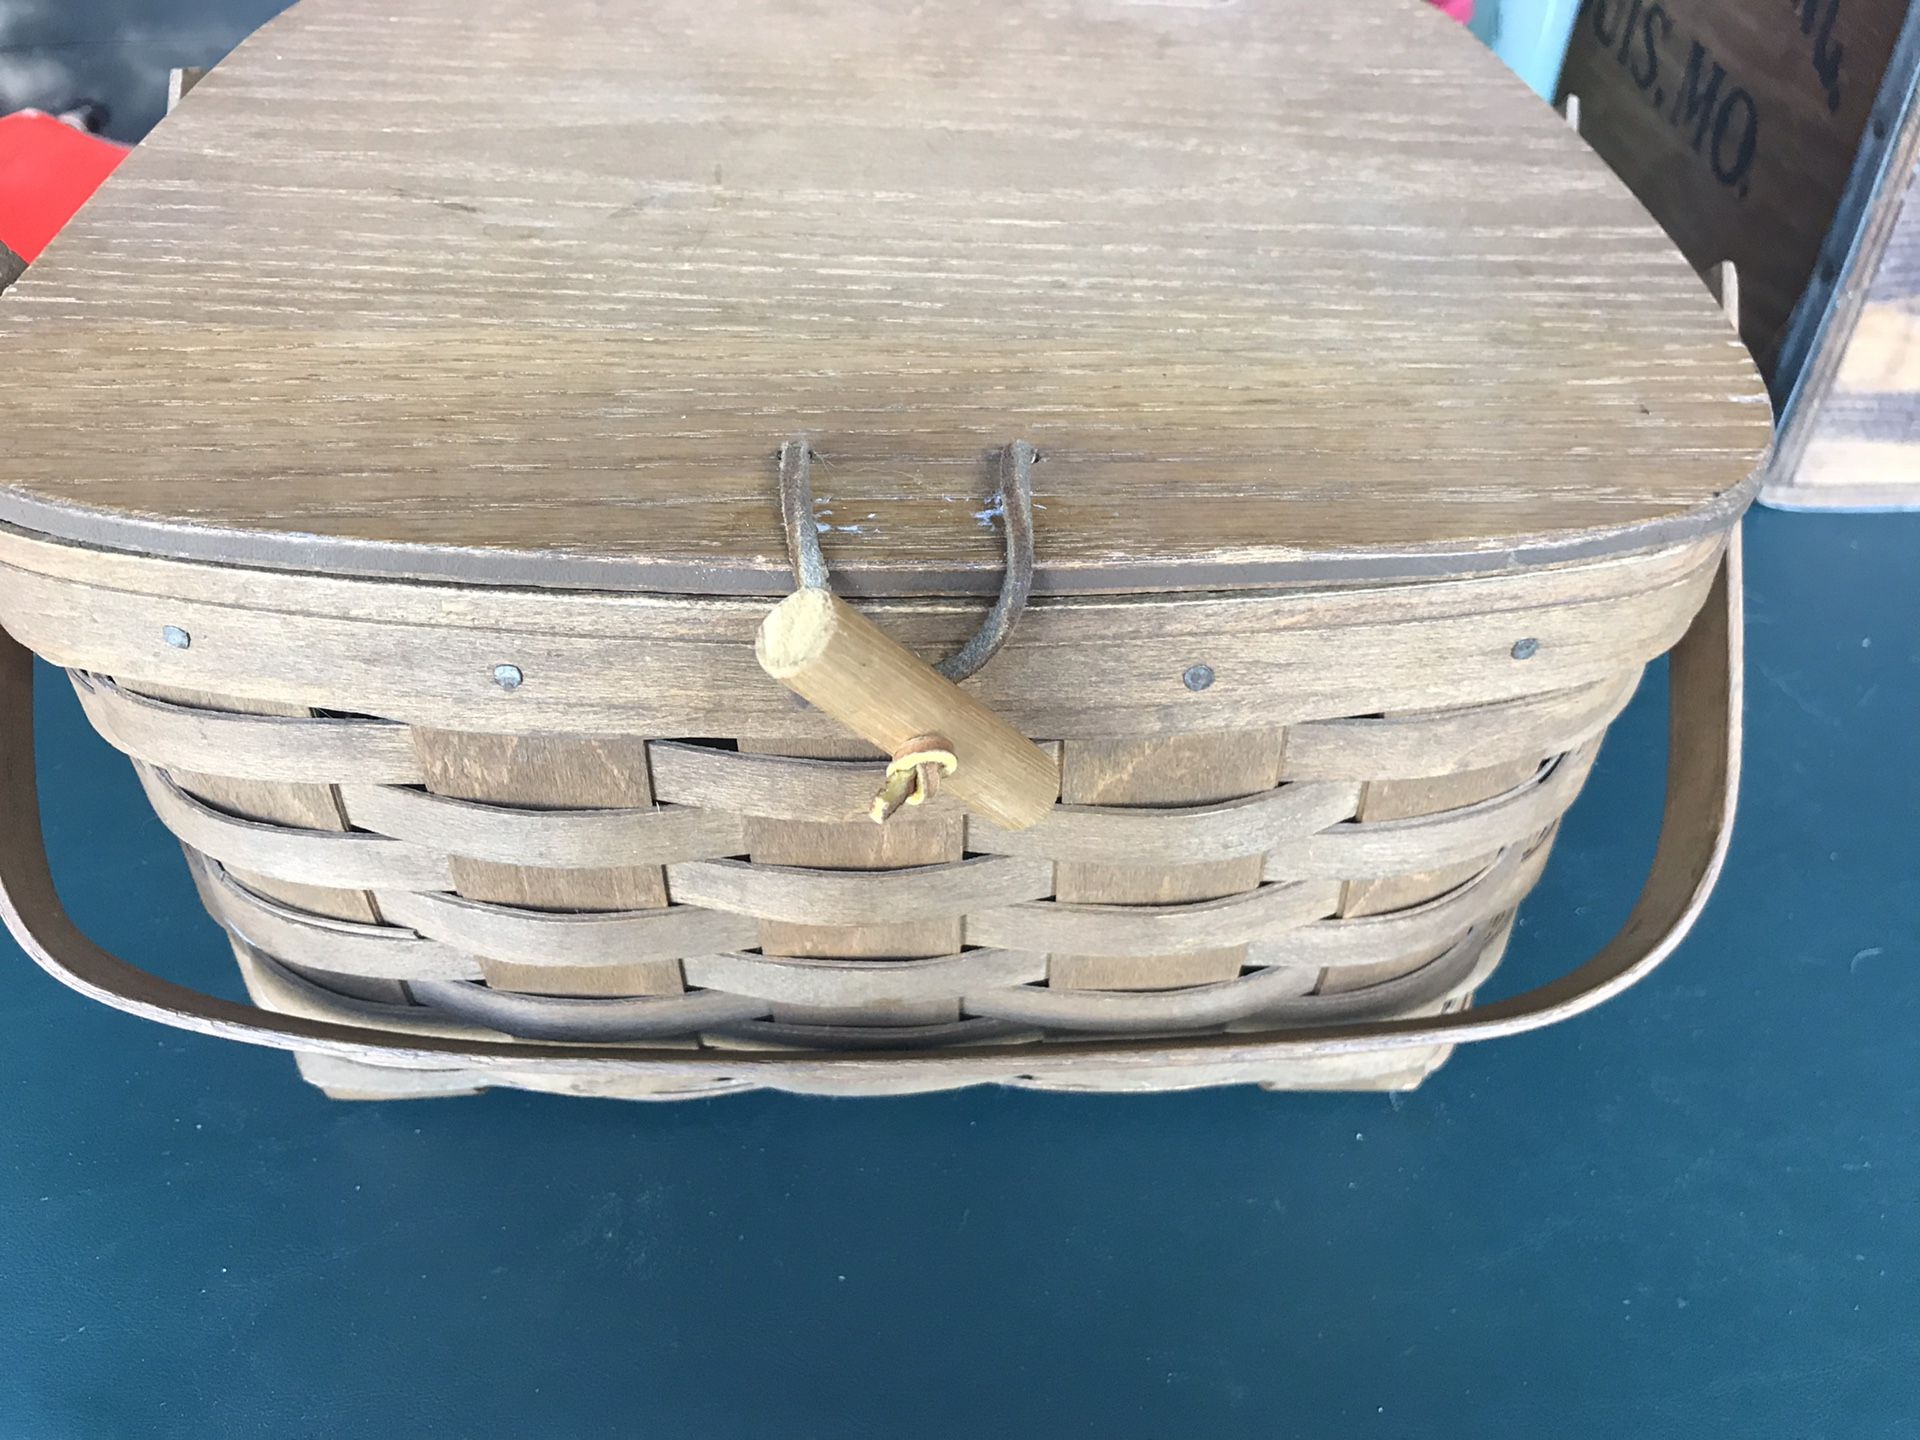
1702 780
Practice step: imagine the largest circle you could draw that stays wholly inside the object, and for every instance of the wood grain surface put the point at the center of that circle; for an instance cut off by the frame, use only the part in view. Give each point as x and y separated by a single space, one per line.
467 290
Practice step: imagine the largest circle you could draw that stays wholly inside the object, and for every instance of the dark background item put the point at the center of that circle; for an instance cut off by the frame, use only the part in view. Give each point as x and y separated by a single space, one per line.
1850 437
1690 1213
1737 125
54 53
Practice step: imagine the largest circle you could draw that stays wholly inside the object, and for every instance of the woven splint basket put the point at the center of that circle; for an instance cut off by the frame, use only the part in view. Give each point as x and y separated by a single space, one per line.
396 458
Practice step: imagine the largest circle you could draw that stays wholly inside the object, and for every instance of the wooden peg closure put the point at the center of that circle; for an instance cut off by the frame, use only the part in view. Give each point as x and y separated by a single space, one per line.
833 657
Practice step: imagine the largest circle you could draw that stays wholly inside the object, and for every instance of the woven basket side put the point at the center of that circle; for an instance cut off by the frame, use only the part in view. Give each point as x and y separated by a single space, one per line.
729 893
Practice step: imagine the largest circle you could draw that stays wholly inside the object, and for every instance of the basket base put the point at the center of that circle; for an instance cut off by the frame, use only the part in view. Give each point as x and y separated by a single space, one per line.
1370 1071
339 1079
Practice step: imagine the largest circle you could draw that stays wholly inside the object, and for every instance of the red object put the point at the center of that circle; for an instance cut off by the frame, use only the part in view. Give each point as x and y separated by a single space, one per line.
1461 10
48 170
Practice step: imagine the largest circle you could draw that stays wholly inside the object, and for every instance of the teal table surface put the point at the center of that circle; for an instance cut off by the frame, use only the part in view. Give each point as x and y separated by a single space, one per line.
1690 1213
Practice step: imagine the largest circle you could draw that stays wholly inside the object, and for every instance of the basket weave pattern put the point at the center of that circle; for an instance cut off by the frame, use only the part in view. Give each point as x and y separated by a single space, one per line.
1337 870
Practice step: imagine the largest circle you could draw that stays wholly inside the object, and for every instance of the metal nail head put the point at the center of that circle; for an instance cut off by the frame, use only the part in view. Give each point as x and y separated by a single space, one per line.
175 636
1526 649
507 677
1198 677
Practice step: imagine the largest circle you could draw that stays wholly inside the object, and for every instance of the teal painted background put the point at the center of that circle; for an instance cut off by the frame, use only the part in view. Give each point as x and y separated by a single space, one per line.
1530 35
1691 1213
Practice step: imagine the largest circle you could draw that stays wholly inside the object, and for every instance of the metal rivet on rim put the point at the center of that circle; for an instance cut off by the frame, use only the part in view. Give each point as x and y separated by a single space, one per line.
175 636
1526 649
1198 677
507 677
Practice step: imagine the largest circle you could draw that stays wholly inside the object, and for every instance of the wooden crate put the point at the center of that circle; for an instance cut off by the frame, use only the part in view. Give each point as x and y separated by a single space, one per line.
1850 437
1783 141
1738 125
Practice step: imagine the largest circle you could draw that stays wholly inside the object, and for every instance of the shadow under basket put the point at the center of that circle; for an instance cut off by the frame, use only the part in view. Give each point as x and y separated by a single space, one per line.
423 908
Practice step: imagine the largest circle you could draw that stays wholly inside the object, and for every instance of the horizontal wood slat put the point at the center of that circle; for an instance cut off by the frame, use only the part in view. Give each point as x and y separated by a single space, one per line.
1357 942
1123 930
350 860
1446 742
773 787
341 947
556 838
929 626
1360 850
552 1017
858 897
538 937
441 676
1118 834
794 980
310 749
1270 993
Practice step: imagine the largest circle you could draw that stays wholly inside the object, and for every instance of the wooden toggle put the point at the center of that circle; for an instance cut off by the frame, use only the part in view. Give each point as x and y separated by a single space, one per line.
832 656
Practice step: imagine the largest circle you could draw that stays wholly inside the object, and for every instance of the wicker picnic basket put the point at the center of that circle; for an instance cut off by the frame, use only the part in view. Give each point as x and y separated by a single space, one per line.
411 448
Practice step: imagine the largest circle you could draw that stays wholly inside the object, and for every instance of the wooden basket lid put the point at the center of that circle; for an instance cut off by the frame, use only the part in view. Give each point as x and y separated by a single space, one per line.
1283 290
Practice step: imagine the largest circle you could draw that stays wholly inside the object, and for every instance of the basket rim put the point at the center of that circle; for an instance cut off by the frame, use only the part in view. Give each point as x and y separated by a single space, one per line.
768 576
